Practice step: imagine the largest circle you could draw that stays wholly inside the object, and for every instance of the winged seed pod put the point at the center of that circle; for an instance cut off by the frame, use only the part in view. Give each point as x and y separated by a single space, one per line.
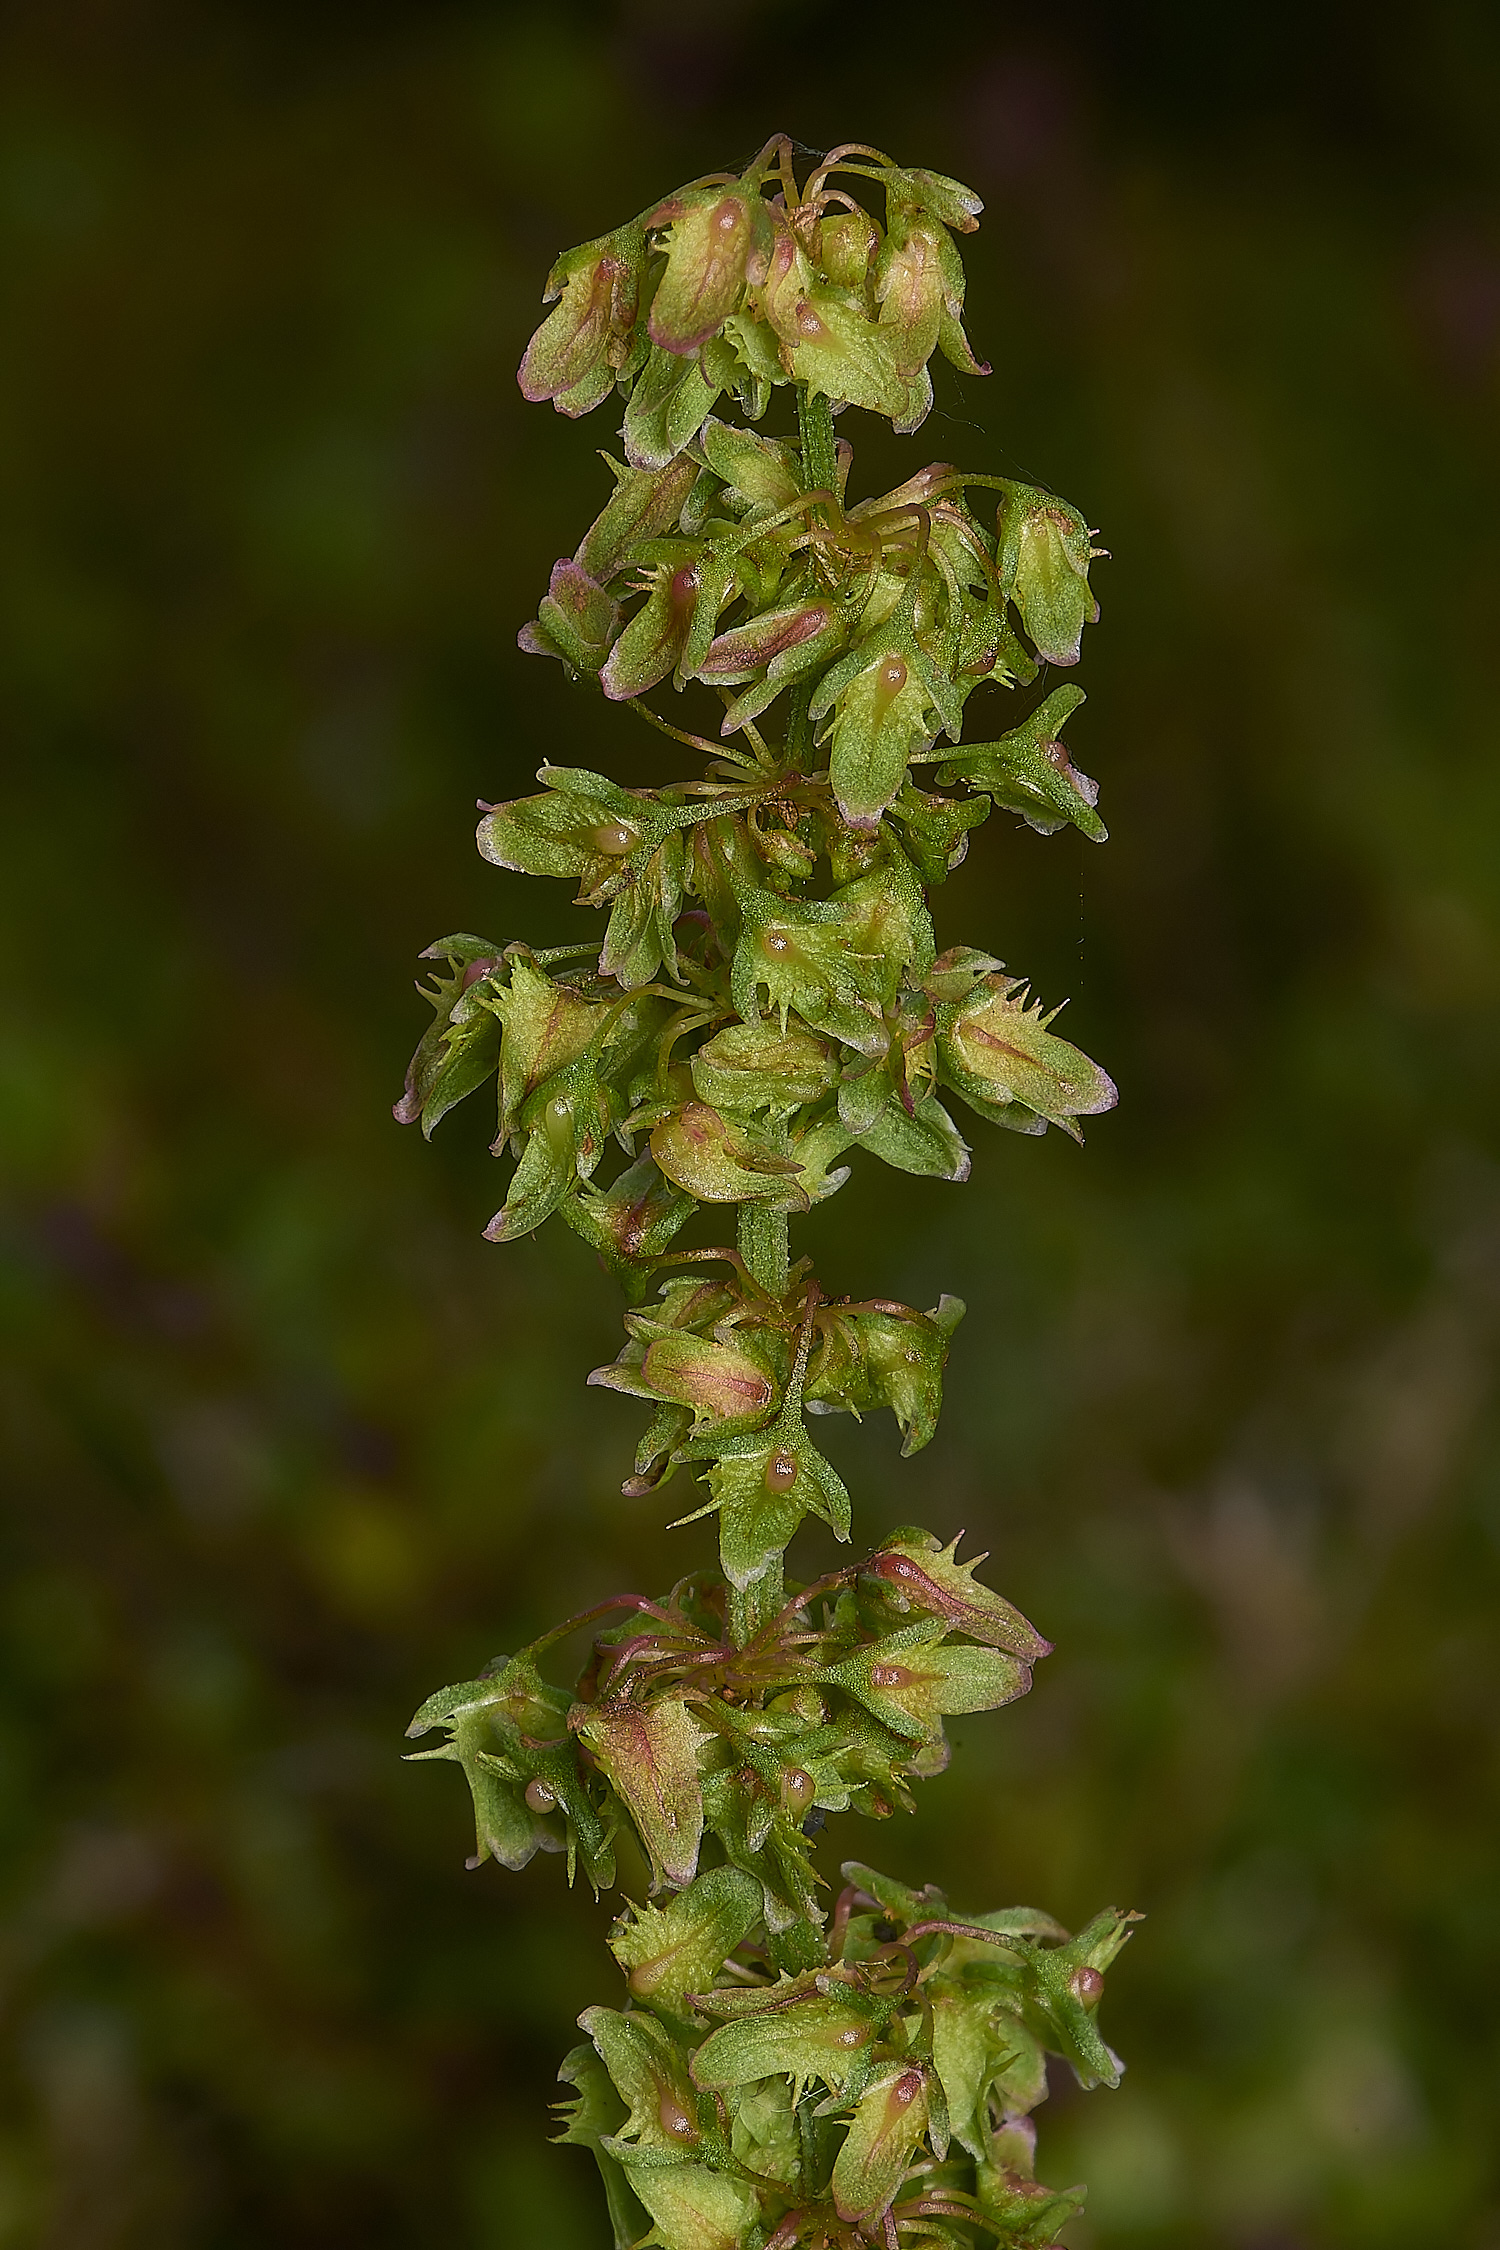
765 1014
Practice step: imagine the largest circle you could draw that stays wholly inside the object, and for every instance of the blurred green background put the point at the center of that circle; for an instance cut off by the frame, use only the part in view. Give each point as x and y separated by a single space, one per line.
288 1445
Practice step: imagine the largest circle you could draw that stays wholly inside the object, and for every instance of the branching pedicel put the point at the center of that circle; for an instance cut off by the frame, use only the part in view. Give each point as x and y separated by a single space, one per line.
767 999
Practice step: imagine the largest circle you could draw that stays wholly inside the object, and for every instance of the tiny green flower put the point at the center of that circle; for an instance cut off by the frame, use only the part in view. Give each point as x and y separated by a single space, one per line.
577 353
1044 557
716 240
648 1752
886 2127
672 1950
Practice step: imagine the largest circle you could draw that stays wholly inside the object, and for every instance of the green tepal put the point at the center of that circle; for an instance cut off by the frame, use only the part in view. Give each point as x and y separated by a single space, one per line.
767 1004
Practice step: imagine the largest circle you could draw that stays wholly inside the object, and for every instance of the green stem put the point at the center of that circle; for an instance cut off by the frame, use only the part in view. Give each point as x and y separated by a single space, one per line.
820 461
763 1246
799 733
807 2135
761 1600
820 473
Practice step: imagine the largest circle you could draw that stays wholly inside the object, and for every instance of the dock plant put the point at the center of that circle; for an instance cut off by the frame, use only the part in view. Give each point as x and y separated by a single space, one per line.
784 2059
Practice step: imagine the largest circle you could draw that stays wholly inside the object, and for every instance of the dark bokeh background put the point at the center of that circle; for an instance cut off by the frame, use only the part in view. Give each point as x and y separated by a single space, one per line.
288 1445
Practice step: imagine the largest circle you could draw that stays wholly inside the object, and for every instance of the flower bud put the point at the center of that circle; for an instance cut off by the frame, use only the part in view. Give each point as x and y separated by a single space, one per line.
676 1949
747 360
1013 2144
1015 2207
871 2163
719 1162
645 504
848 245
996 1051
935 829
909 287
580 347
649 1754
949 201
654 639
1044 559
912 1572
882 709
576 621
716 239
782 847
751 1067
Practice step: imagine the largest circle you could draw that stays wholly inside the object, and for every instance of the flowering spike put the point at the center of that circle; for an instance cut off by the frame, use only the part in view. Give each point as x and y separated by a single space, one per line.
765 1009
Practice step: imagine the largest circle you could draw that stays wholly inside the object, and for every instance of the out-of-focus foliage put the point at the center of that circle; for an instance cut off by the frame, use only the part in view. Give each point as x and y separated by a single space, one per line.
278 1426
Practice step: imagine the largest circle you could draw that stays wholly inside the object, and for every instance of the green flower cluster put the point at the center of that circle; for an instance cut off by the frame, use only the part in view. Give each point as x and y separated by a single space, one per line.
769 998
684 1728
740 283
748 576
770 2081
884 2096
